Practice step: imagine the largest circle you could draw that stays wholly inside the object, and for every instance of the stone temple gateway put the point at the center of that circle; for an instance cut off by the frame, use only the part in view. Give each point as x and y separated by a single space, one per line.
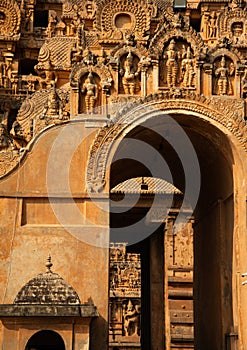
123 167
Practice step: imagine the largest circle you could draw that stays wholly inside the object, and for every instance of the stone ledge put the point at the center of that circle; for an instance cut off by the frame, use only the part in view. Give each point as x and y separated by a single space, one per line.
31 310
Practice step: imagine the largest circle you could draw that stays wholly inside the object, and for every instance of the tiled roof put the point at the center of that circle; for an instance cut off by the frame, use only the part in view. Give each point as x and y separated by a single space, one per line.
155 186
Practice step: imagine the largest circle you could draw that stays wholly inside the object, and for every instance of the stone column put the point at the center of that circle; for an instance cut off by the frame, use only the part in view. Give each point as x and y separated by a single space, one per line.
155 64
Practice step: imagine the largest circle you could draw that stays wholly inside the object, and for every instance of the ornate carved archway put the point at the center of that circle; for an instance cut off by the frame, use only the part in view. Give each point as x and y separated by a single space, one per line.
176 101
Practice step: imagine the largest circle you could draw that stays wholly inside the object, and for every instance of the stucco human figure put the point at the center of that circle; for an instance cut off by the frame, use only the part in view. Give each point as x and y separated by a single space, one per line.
171 64
187 69
212 25
223 74
90 89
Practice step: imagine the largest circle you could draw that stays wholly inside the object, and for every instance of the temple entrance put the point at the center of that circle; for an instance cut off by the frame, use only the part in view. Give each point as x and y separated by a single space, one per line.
45 340
186 273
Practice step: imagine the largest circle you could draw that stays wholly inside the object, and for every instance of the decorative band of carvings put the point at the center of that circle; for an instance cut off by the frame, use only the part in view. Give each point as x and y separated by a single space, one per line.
138 111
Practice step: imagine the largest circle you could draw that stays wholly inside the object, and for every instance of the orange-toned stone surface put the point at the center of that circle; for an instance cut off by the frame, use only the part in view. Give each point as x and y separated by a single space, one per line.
78 79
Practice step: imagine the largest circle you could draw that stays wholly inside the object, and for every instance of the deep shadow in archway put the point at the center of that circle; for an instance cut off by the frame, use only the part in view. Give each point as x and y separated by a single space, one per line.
45 340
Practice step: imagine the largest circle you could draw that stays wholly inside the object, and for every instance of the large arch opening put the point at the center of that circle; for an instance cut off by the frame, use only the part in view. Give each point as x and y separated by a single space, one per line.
213 225
45 340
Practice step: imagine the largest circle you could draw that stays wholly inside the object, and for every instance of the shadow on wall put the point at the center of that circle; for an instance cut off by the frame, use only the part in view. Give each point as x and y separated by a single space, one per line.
99 334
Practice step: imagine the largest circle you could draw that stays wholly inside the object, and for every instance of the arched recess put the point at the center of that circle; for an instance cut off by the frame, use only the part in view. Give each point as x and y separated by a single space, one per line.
45 340
222 159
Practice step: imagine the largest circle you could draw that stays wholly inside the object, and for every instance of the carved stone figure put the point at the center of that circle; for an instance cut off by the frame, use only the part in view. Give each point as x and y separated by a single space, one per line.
188 69
212 25
90 89
129 74
171 64
131 319
223 74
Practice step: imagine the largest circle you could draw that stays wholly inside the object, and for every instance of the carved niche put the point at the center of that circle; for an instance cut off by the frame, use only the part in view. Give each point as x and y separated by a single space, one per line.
125 295
90 93
10 18
177 65
223 77
91 82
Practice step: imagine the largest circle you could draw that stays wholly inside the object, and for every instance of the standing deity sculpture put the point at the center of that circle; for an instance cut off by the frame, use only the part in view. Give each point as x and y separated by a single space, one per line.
223 74
212 25
188 69
90 89
129 74
171 64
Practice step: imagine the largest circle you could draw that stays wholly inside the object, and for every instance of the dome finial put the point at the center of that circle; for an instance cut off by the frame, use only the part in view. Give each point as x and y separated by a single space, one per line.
48 263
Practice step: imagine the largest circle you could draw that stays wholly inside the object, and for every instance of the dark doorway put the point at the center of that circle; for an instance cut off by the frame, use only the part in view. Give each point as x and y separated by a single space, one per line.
45 340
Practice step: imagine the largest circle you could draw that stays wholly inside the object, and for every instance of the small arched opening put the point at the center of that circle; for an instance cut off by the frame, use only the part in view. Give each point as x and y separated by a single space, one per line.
45 340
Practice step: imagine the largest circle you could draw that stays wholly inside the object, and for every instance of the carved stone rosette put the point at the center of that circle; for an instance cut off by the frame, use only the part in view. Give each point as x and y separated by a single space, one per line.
10 18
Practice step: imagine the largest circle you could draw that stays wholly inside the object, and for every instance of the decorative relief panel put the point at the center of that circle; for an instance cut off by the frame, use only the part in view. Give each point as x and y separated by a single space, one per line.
125 296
